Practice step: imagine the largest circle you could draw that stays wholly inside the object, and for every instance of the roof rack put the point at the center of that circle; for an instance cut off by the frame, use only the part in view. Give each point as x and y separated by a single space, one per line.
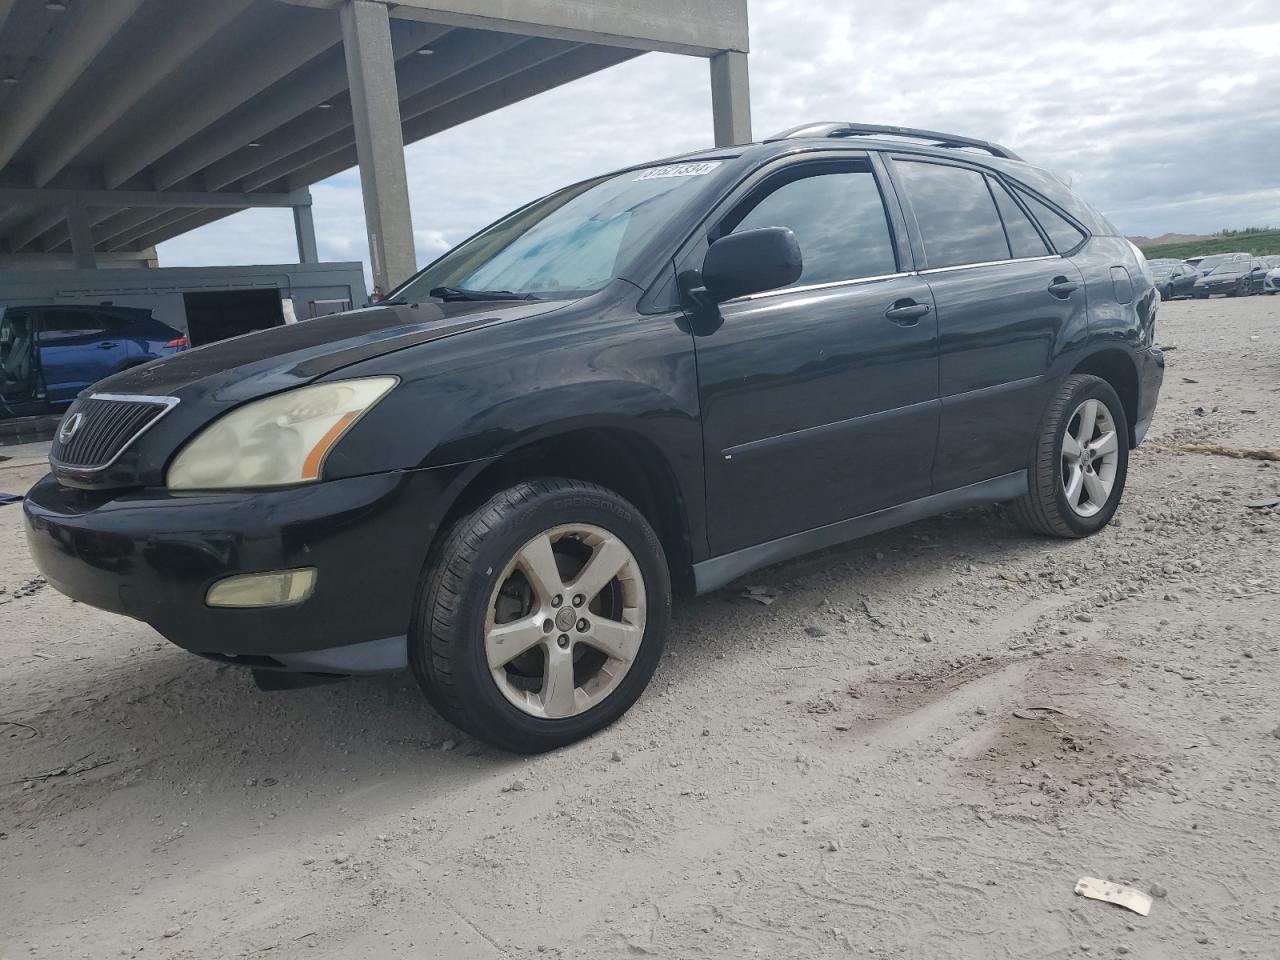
877 130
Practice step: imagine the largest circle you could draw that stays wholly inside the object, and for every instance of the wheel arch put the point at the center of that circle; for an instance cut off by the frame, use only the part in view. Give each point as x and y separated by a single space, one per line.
621 458
1118 369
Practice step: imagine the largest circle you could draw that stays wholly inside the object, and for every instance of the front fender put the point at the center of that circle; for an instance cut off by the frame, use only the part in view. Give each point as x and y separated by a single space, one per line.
492 391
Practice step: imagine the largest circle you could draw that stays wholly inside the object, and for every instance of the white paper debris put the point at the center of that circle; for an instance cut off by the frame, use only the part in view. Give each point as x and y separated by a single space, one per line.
1121 896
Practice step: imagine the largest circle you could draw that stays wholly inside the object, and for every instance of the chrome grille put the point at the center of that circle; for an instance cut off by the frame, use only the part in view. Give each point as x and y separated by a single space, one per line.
96 430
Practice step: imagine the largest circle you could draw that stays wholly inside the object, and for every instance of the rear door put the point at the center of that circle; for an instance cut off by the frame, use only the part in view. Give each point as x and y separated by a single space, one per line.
76 350
1006 303
819 400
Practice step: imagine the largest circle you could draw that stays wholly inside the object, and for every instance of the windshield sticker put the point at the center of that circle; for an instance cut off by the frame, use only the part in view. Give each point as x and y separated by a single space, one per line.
699 169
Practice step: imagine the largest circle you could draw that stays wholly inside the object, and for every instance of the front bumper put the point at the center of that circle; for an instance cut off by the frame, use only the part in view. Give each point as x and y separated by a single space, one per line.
152 555
1150 377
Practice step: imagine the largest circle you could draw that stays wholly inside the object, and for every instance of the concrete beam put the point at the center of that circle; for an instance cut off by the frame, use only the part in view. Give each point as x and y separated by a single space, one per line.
320 81
147 198
81 238
261 65
190 31
304 231
546 76
375 101
45 261
676 26
178 227
35 226
10 217
60 235
120 223
730 99
510 57
59 67
158 220
462 52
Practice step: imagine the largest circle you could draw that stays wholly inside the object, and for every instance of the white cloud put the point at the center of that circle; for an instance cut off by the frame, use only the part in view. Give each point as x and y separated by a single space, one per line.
1166 118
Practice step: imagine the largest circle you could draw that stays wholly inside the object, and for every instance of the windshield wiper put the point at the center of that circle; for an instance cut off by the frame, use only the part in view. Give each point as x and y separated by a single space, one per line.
448 294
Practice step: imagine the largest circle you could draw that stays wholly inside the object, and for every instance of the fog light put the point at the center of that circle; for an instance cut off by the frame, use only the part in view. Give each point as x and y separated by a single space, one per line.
275 589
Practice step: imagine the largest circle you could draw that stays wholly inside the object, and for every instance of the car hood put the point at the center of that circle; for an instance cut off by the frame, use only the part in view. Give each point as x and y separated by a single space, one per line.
267 361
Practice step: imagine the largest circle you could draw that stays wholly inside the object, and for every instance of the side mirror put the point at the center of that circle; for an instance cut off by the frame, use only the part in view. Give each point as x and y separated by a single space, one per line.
751 262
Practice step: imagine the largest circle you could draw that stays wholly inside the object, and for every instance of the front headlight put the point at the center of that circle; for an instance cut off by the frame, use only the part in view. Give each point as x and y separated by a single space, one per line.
275 442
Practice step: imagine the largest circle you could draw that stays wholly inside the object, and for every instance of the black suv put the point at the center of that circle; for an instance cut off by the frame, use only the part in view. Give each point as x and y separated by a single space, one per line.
650 382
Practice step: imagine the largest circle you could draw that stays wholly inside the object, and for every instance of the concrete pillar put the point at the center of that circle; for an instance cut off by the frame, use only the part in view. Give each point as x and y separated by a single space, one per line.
730 98
81 238
375 103
304 229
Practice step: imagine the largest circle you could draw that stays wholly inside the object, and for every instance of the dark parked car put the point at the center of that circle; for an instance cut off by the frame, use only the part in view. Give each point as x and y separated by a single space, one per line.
1173 278
1234 278
650 382
50 353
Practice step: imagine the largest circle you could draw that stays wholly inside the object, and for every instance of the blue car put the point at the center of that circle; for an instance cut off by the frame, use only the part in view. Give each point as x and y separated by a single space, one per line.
48 354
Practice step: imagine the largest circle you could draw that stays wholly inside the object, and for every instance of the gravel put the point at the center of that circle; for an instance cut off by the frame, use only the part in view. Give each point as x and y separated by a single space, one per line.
981 828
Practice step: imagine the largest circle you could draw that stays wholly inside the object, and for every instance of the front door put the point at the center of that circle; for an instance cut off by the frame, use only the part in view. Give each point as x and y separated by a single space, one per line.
819 401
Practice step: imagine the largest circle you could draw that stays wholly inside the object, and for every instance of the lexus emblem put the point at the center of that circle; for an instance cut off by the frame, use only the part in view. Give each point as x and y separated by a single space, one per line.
70 426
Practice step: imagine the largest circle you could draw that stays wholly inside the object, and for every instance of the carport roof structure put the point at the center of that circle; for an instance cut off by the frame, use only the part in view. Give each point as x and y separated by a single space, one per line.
124 123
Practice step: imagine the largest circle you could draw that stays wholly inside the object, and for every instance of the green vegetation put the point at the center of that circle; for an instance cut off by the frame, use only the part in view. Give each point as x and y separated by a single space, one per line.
1259 241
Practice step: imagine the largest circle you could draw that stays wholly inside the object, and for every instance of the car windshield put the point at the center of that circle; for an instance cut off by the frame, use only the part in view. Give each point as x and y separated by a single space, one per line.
568 244
1231 266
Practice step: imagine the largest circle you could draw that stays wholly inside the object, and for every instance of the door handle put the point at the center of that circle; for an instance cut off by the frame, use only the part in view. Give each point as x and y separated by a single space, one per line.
907 313
1062 288
108 345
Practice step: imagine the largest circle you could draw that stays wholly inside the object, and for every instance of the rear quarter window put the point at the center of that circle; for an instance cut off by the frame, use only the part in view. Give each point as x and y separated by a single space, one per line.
1024 238
1064 234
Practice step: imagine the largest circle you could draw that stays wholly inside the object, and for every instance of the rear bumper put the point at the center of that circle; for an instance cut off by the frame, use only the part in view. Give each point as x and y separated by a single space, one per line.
1150 361
152 555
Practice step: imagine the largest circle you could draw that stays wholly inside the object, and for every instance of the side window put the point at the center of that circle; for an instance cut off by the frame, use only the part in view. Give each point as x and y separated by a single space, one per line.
958 220
1024 238
59 324
839 220
1066 236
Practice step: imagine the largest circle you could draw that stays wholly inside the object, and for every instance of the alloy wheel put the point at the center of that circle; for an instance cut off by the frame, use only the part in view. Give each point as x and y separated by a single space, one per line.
1090 457
565 621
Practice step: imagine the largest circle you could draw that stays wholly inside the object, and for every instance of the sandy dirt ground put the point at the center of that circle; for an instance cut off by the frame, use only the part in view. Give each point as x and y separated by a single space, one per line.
844 772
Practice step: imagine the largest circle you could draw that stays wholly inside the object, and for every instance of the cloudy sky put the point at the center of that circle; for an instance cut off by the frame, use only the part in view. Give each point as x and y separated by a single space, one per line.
1165 116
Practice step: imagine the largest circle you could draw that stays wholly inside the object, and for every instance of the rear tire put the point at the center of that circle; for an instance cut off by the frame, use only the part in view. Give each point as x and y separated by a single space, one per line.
1074 494
585 659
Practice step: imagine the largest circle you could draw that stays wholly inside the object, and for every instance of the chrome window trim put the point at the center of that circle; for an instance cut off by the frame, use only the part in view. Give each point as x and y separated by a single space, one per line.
830 284
989 263
167 402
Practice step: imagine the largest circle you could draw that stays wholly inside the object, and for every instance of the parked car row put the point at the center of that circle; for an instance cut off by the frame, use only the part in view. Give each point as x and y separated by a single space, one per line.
1231 274
49 353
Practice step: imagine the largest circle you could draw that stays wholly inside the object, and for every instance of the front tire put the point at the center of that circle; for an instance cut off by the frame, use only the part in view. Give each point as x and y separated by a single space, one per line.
542 617
1078 468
